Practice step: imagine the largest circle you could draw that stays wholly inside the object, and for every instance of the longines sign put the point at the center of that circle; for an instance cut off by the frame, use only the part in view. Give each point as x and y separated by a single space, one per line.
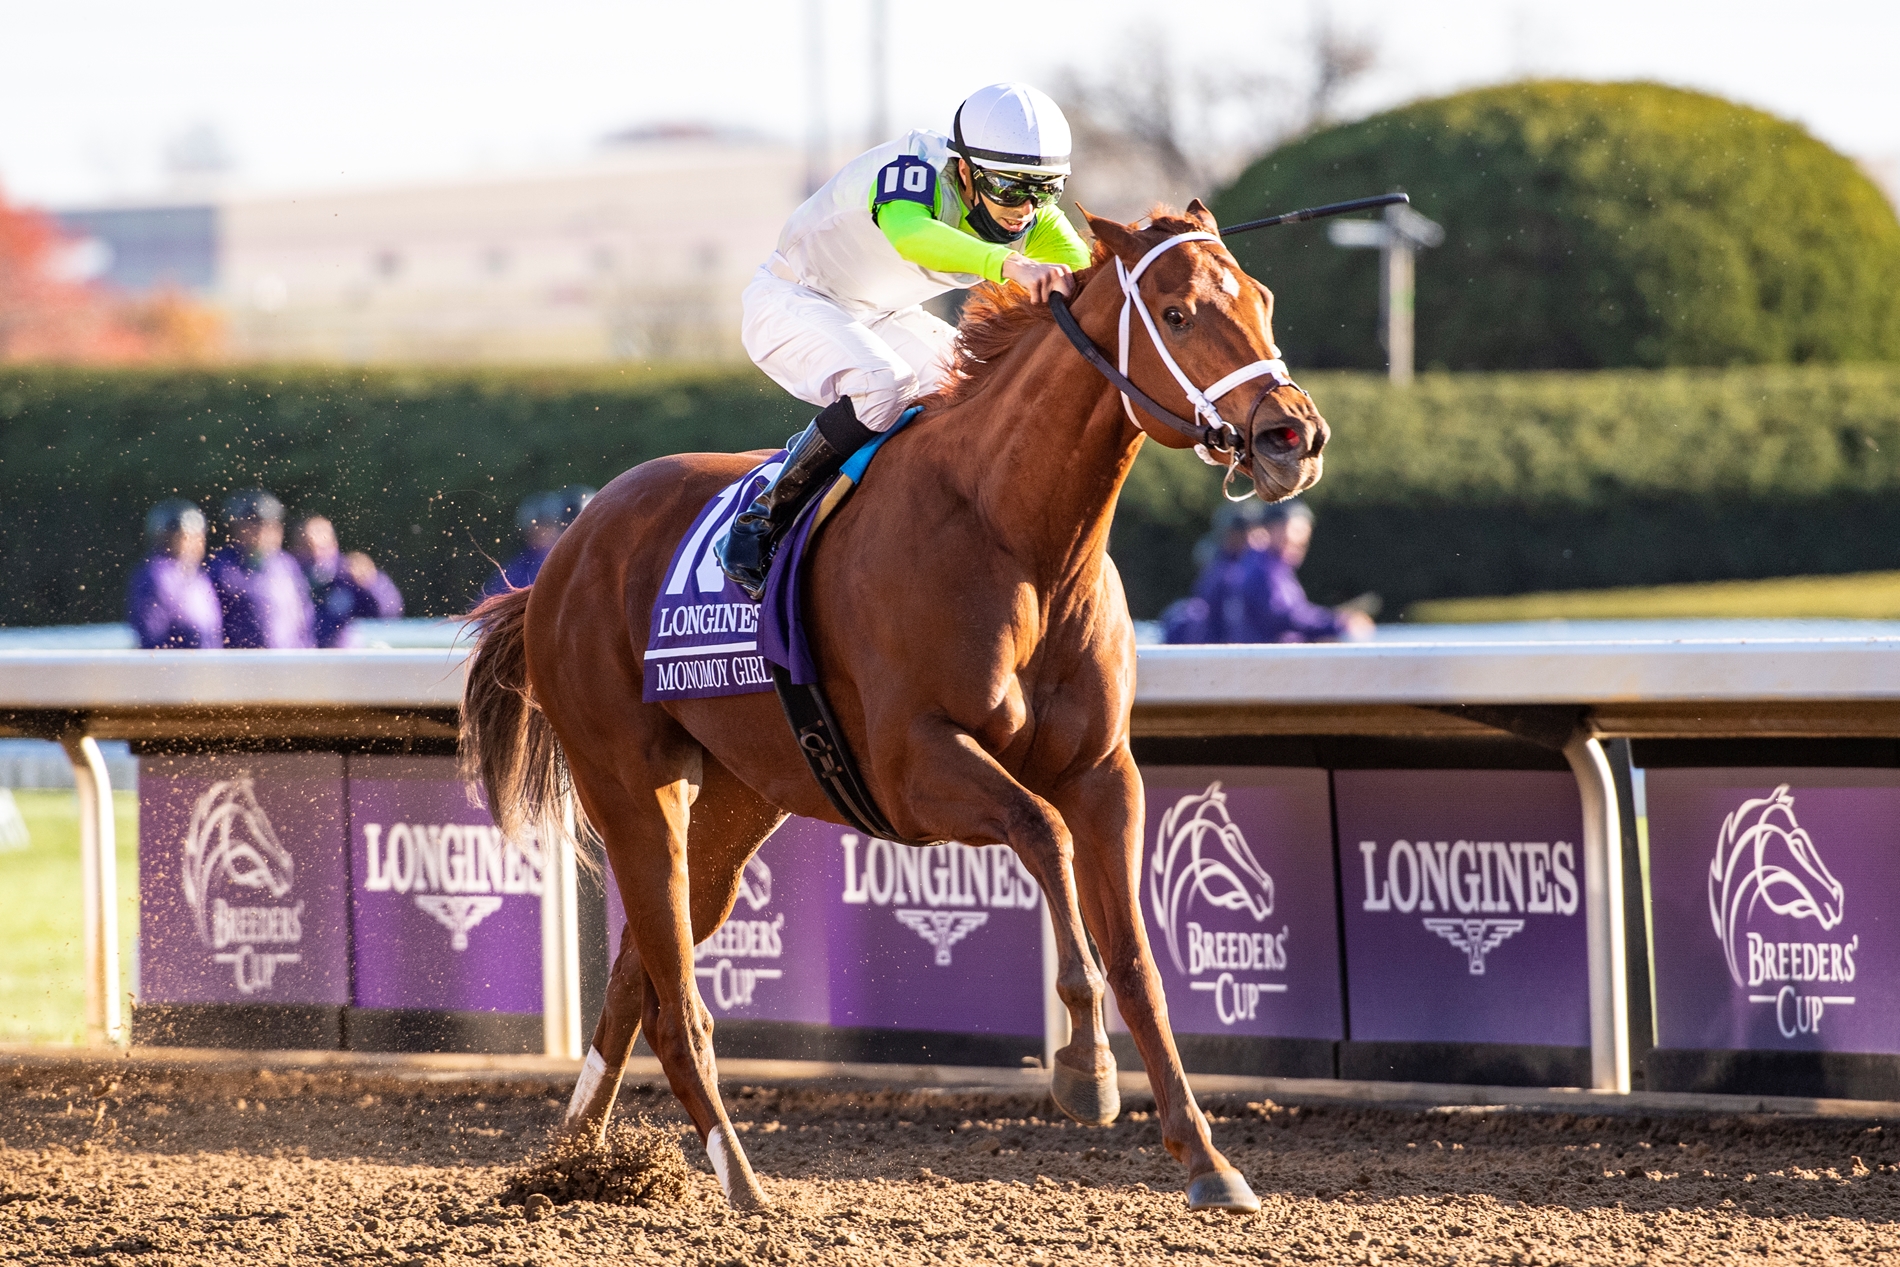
832 928
446 913
1774 906
1461 891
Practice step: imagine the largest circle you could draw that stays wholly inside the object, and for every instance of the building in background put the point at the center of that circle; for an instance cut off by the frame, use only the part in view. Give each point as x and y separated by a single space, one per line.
639 253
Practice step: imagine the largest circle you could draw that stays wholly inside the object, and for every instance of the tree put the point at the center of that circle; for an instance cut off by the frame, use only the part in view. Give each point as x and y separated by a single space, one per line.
1588 225
1148 132
46 315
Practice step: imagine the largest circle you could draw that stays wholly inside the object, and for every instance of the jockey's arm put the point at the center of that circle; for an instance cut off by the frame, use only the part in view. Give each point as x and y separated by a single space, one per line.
921 238
928 242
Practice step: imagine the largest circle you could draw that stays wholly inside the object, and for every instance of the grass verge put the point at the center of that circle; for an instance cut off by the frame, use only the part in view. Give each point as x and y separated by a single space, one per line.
1856 596
42 955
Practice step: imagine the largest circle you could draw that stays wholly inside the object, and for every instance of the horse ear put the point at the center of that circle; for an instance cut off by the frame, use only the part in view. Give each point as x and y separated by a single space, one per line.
1117 237
1197 211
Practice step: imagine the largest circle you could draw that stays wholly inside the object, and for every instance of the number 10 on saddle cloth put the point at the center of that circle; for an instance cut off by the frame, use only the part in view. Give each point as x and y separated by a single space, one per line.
707 638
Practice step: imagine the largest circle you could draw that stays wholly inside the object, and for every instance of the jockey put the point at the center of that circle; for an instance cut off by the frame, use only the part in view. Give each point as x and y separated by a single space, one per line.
833 315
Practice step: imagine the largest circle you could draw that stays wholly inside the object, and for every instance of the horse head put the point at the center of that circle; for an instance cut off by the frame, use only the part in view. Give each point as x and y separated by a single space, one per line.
1201 854
231 839
1765 858
1215 319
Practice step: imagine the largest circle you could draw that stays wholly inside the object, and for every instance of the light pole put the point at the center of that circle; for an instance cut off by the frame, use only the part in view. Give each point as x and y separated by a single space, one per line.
817 138
1398 236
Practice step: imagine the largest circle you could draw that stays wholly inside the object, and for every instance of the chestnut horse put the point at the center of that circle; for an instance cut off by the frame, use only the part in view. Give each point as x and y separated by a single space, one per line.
972 634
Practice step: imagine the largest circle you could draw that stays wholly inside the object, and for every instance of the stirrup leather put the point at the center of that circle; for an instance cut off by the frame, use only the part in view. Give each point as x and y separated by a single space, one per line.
746 553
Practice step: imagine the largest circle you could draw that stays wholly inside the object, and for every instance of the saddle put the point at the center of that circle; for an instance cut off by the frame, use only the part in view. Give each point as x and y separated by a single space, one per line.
707 638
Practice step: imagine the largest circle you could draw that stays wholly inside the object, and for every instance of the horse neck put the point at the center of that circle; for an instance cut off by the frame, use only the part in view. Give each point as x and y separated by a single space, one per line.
1051 451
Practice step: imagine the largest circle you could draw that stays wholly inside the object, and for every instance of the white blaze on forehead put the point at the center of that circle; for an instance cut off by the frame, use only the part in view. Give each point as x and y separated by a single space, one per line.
1229 284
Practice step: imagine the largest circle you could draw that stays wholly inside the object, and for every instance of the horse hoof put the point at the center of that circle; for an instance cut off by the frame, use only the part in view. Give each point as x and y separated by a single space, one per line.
1092 1099
744 1199
1222 1190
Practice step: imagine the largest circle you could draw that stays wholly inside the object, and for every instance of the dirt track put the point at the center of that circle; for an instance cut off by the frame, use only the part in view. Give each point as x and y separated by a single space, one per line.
150 1165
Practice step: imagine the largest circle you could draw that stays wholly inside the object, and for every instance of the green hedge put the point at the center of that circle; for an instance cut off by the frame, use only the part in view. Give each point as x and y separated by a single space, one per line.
1463 485
1505 483
1587 226
422 469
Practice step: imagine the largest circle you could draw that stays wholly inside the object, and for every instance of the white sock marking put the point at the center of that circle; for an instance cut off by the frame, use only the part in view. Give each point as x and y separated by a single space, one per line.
593 1072
721 1164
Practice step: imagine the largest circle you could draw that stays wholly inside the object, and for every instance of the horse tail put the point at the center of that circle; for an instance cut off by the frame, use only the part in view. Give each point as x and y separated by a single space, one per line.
507 741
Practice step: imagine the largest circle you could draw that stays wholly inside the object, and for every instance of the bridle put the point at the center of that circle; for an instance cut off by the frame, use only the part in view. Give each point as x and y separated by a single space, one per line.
1219 441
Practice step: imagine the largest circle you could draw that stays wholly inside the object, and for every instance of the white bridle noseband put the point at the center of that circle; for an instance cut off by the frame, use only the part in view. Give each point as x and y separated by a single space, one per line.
1201 400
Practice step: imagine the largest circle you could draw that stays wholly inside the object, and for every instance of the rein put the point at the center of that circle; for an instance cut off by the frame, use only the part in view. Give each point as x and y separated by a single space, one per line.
1210 432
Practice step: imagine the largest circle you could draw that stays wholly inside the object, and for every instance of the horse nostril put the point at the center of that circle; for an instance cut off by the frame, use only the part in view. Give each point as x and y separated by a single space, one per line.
1321 434
1288 437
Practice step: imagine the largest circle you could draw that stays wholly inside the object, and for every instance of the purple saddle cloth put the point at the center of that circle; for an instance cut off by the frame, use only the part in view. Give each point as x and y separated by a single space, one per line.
707 638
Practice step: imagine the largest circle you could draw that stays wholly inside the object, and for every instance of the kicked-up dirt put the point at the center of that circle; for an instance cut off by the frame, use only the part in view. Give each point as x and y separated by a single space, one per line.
149 1164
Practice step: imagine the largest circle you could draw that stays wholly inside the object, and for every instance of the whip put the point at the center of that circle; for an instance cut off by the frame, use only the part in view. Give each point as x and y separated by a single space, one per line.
1317 213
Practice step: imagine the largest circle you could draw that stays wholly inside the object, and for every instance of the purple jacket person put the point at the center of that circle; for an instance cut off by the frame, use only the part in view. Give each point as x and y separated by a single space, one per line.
344 588
1251 592
265 598
171 602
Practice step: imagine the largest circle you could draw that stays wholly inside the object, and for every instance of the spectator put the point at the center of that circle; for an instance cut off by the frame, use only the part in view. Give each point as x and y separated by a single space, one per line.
171 602
541 519
265 599
343 587
1248 591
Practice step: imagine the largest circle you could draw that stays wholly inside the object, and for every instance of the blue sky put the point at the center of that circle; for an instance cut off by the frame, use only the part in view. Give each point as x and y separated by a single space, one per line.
347 91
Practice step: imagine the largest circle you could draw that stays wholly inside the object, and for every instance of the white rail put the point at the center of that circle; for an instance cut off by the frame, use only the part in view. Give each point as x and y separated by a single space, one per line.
1782 673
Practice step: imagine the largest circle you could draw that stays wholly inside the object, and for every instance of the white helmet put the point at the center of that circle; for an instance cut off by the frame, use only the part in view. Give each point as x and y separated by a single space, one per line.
1012 127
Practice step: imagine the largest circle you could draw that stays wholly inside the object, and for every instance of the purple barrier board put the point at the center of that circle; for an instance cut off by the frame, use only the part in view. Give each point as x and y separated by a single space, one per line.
1775 901
1237 892
243 880
446 914
834 929
1463 898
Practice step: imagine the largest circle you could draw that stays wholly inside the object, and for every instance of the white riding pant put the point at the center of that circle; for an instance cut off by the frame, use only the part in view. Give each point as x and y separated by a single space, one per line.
814 348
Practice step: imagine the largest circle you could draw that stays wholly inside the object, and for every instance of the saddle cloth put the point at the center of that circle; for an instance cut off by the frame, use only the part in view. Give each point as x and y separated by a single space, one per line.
707 638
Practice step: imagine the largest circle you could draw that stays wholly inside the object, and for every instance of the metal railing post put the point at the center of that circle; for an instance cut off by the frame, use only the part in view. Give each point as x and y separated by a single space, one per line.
1603 914
99 879
560 950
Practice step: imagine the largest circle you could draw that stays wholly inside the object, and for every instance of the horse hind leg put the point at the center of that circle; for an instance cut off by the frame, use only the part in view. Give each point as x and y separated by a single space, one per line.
676 853
614 1033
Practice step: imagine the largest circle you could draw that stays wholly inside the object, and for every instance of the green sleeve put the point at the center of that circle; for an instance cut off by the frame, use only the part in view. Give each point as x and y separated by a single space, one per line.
928 242
1053 240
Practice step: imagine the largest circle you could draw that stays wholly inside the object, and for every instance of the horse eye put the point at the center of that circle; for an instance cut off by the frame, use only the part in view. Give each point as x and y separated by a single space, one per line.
1175 317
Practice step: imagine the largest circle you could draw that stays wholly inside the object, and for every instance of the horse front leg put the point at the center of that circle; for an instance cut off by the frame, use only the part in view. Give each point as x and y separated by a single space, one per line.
1103 808
973 799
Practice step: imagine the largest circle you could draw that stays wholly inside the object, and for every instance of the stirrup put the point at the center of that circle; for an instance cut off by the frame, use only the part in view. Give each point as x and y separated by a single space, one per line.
811 459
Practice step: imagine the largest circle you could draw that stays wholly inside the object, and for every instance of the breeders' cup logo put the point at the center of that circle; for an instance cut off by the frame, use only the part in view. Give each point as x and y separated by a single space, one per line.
963 878
1766 862
734 983
1201 856
1472 880
459 873
230 842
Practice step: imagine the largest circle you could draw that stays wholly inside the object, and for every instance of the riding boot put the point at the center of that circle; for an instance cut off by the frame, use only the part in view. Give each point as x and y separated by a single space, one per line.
812 457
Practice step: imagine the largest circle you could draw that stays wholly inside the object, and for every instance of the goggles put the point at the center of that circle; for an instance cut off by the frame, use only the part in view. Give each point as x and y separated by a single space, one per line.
1007 189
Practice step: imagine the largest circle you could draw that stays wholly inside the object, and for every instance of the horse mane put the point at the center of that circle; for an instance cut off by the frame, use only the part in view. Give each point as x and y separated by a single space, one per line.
998 314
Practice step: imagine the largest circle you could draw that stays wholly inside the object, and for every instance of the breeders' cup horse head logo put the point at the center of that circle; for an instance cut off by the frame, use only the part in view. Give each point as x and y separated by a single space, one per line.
230 839
1764 857
1200 852
755 882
